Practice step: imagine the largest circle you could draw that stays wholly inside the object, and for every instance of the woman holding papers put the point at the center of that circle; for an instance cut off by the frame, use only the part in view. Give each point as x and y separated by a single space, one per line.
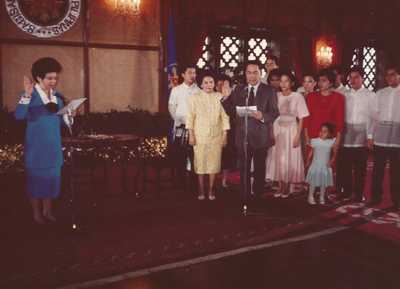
286 165
43 154
208 124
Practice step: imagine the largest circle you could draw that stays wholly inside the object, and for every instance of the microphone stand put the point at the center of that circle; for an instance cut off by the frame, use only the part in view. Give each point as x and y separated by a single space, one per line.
74 224
245 149
245 211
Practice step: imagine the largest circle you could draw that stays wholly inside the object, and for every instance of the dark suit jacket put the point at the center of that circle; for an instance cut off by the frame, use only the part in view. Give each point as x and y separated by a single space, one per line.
259 133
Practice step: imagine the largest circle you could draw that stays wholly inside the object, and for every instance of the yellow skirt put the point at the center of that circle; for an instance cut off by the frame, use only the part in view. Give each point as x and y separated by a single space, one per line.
207 157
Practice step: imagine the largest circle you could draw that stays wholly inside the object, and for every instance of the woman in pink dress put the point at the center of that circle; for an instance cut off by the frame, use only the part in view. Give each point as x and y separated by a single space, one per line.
285 163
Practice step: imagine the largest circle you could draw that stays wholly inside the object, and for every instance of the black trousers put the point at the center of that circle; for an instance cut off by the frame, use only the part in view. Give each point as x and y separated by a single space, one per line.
180 154
351 159
259 157
382 155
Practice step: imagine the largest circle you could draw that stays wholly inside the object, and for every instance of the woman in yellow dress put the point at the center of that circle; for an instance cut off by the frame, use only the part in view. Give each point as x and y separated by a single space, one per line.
208 125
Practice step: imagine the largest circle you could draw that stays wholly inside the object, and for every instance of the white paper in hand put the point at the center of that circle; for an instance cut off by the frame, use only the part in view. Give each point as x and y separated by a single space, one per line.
243 110
72 105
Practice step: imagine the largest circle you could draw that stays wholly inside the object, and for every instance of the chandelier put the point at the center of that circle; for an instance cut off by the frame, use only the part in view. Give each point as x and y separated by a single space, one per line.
324 56
127 8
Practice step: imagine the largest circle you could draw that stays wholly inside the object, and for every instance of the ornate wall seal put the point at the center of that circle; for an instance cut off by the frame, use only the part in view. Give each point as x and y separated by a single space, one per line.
44 18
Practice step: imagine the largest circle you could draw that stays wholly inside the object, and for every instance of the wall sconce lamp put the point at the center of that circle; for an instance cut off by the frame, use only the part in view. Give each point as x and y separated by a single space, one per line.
127 8
324 56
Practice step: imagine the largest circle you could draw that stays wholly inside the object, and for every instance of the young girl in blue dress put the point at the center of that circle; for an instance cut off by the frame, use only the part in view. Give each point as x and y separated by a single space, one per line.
320 161
42 150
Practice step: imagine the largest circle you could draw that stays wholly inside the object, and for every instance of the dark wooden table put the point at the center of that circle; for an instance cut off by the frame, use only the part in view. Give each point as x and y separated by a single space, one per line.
100 148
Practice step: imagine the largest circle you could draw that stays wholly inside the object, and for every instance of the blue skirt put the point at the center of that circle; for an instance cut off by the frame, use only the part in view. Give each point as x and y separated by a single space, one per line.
320 176
43 182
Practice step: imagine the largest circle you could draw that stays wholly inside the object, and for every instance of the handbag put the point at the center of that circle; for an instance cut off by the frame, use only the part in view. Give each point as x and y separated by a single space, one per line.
181 136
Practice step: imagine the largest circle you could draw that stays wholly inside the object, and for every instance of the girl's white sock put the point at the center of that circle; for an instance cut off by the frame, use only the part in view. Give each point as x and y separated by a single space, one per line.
311 199
322 196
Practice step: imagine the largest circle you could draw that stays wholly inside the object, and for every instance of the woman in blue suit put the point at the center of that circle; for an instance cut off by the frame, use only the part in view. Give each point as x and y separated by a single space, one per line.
43 152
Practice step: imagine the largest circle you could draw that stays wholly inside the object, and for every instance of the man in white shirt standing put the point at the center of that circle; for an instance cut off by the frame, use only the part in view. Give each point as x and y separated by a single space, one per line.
270 64
353 153
178 108
386 138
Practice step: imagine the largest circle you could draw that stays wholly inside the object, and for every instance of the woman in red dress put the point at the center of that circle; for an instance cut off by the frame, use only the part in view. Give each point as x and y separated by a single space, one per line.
325 105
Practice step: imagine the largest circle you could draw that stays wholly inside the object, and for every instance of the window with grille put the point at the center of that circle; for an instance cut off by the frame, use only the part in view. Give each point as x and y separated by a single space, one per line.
206 59
365 57
258 49
232 51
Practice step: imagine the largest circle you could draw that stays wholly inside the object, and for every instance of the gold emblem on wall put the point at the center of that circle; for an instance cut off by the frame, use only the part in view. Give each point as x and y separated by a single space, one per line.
44 18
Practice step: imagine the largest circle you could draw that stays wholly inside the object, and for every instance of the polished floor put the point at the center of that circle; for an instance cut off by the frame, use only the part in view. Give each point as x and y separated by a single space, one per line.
121 234
345 260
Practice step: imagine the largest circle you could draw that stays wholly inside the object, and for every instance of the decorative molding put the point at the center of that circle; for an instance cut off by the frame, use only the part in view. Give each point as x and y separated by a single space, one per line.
77 44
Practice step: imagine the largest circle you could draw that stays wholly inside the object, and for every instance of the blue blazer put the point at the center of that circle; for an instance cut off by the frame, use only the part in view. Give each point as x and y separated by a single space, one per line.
43 133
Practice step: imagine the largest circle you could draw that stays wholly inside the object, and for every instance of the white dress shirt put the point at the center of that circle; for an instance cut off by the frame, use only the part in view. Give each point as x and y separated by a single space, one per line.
341 89
178 102
301 90
387 114
43 95
359 116
264 79
26 99
255 88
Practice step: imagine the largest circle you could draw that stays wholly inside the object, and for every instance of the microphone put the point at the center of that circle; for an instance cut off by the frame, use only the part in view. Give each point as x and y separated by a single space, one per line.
69 120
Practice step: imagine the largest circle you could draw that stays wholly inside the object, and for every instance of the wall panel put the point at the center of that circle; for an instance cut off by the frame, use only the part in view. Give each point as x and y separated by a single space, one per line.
123 77
17 61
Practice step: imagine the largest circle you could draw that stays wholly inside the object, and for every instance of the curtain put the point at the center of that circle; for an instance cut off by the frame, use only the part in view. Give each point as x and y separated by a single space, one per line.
190 36
301 47
346 46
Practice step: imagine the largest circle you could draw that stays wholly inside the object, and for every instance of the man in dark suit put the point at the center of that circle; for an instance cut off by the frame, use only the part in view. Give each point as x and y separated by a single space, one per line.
260 136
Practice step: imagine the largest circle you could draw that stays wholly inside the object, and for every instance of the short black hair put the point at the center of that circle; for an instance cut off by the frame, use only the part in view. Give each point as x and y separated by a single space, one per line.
273 57
289 74
274 72
309 74
45 65
206 73
393 67
337 69
253 62
183 68
329 126
224 77
328 73
356 69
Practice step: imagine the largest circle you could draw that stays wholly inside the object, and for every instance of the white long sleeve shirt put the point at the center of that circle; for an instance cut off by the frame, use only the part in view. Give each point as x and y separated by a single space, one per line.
178 102
359 117
387 115
341 89
264 79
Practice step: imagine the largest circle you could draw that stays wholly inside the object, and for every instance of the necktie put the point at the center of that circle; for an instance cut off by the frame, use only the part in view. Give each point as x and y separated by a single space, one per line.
251 96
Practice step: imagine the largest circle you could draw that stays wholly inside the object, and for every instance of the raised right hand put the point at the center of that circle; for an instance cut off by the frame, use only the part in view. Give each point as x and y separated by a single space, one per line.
28 86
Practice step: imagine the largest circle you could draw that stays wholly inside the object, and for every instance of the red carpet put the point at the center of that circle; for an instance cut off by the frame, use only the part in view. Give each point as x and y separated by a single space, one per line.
123 234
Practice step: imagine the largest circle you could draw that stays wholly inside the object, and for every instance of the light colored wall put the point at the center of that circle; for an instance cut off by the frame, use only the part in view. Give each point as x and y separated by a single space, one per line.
127 77
106 27
118 77
17 61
